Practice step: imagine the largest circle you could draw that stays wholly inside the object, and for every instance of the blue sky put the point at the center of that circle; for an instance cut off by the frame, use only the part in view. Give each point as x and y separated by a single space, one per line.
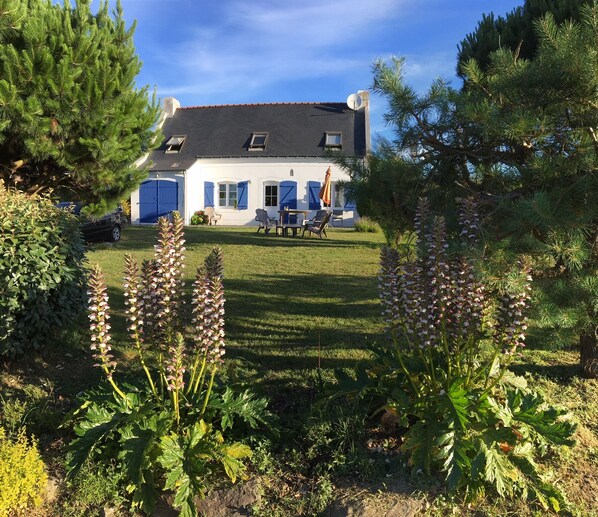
238 51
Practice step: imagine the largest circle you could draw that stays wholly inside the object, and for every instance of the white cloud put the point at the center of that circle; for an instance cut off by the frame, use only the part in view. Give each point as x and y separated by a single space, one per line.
249 48
432 65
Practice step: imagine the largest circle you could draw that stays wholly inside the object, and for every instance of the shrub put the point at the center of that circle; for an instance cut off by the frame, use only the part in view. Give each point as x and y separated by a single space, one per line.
41 270
173 433
13 414
94 488
125 205
445 372
366 225
22 474
30 407
199 217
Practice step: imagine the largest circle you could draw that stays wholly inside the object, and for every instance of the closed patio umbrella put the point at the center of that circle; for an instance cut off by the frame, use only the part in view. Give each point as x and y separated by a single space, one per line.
325 190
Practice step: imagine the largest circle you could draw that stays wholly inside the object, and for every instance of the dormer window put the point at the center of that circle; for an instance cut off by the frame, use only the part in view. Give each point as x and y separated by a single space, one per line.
334 140
175 143
258 141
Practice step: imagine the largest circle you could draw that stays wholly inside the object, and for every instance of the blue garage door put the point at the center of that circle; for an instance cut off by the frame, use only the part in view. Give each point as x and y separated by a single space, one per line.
157 198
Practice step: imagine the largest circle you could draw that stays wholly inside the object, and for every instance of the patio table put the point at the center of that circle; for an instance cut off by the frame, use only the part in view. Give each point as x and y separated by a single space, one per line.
285 228
291 211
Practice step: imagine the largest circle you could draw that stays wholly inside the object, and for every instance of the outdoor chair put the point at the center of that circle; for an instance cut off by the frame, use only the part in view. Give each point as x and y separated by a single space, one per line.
315 220
213 217
318 229
266 222
337 215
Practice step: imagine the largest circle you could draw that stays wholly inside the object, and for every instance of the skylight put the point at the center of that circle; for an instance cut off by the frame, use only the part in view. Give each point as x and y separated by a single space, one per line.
334 140
258 141
175 143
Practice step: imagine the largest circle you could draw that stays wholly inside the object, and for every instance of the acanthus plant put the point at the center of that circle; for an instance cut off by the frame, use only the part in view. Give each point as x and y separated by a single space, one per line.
444 374
170 434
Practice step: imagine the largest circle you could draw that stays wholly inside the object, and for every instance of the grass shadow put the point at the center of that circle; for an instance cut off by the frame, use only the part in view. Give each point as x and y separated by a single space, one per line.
137 238
561 367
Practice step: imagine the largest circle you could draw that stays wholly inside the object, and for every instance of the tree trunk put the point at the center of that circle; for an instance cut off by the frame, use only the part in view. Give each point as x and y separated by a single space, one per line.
588 344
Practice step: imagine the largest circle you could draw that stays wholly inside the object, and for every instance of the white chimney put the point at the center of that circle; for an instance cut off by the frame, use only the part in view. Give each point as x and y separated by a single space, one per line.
170 106
365 105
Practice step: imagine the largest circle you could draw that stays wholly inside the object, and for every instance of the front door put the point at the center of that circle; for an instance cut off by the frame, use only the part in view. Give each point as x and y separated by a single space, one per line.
271 199
157 198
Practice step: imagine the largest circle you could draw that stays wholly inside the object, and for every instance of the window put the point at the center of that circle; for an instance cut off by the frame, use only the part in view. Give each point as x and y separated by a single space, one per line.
258 141
175 143
227 195
334 140
271 195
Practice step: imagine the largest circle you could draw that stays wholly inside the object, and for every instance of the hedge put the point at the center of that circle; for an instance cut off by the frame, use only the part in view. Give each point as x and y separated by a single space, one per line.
42 275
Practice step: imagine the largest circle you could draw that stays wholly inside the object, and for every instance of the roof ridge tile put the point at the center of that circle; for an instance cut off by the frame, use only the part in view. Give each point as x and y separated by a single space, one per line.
259 104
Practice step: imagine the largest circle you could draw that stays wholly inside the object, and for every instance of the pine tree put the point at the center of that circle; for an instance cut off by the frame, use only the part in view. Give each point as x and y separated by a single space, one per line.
72 120
522 138
515 31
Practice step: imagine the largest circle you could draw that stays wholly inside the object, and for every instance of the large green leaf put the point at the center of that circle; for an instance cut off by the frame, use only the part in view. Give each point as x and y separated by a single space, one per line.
198 432
136 453
420 444
172 453
358 386
245 405
145 497
183 488
178 473
188 509
547 495
97 425
499 471
231 460
186 459
500 411
238 451
454 449
455 405
546 422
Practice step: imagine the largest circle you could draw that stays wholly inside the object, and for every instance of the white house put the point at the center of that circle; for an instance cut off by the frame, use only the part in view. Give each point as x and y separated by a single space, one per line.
237 158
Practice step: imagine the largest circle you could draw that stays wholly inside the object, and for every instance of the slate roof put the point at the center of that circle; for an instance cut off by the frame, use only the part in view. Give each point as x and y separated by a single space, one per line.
294 130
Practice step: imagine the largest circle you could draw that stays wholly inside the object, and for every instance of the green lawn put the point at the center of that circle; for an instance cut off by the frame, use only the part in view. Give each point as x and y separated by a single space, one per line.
291 303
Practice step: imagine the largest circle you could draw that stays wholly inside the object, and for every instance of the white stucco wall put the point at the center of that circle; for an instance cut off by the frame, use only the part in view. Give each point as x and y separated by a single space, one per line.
258 172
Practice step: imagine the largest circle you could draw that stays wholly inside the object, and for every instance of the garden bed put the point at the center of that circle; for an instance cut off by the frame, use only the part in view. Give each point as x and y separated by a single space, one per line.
295 311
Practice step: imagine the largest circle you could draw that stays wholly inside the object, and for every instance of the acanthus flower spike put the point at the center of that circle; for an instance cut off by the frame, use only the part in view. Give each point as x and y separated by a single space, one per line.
99 327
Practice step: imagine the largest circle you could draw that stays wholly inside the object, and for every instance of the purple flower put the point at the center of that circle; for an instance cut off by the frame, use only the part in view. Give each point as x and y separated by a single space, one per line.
208 308
167 280
175 366
388 285
148 299
98 316
511 322
133 298
435 297
469 221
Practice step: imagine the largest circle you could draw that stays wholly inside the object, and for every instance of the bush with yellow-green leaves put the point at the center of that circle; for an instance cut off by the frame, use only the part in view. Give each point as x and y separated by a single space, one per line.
22 474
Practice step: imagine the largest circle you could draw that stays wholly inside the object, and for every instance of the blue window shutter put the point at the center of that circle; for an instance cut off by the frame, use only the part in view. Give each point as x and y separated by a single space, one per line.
313 192
208 194
349 203
242 195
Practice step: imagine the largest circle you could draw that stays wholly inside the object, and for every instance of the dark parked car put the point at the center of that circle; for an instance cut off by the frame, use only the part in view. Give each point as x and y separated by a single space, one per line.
105 228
